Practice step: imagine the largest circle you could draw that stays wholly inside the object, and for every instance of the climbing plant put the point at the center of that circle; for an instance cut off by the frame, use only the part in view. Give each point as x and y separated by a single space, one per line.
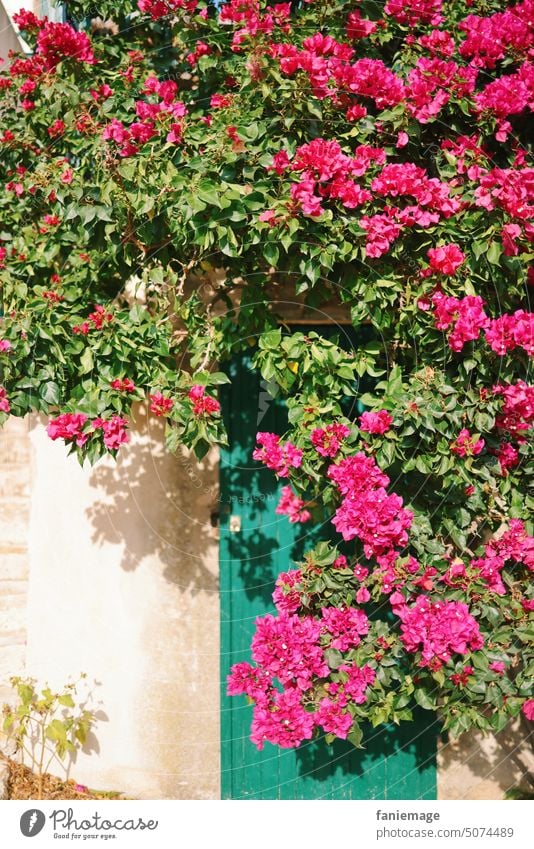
173 171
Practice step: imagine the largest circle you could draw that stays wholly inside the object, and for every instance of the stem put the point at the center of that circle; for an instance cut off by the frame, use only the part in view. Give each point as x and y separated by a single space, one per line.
41 762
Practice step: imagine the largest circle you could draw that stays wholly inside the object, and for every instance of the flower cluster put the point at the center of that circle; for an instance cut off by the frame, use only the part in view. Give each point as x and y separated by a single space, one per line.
468 318
5 406
71 428
202 404
159 109
95 321
438 630
379 422
287 649
367 512
292 506
517 411
275 455
159 404
327 440
466 445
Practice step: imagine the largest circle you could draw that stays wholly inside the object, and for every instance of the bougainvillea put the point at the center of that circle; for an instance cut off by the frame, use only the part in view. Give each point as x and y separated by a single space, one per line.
170 180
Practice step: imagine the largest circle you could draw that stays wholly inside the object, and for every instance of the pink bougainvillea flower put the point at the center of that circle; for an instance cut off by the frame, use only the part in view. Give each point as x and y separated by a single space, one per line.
327 441
159 404
439 629
68 426
123 384
285 596
292 506
5 406
528 709
202 404
114 431
446 259
379 422
466 445
279 457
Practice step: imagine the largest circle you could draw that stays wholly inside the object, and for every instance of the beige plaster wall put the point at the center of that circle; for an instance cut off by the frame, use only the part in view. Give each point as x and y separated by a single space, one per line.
8 37
123 586
15 485
486 767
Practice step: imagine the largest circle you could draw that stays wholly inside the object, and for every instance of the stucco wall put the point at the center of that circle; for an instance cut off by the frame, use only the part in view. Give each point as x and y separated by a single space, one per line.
15 484
123 586
8 37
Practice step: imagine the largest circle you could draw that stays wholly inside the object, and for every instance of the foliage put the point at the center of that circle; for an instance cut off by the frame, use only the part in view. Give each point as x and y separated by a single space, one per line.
171 180
46 725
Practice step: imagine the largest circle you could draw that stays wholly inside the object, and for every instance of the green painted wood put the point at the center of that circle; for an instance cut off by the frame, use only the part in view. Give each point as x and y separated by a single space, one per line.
398 763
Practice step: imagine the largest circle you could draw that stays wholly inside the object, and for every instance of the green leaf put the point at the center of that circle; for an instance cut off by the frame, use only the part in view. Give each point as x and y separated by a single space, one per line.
49 392
271 253
355 737
423 699
86 361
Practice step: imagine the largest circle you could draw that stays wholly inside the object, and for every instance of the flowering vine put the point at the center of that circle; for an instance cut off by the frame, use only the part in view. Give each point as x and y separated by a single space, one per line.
169 181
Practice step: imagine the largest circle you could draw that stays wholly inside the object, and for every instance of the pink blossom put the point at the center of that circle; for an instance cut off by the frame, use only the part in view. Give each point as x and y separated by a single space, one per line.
114 431
159 404
466 314
413 12
327 441
5 345
285 596
439 629
517 412
378 422
359 679
163 8
276 456
528 709
292 506
202 403
248 680
123 384
510 331
358 27
287 647
57 41
363 595
466 445
498 666
367 511
5 406
283 723
345 625
446 259
68 426
507 456
333 719
27 21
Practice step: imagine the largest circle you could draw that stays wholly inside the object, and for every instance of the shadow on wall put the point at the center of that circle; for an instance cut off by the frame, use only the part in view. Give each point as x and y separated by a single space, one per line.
158 505
505 760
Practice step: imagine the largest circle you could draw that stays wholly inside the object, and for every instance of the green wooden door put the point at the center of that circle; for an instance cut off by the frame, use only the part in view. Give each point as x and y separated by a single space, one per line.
256 545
